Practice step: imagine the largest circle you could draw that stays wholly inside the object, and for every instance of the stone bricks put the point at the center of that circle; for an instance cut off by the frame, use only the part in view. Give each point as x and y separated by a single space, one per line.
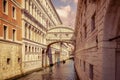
96 49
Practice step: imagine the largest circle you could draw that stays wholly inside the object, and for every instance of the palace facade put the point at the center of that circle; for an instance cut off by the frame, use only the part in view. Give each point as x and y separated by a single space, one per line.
37 17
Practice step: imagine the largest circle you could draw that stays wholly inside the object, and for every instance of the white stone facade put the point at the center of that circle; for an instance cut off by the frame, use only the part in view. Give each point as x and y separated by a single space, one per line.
37 17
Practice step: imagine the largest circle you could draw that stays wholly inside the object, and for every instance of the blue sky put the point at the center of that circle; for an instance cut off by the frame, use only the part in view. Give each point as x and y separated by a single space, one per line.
66 10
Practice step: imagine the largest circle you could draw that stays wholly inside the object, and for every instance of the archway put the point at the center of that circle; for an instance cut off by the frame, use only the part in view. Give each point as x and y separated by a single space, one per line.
111 38
48 50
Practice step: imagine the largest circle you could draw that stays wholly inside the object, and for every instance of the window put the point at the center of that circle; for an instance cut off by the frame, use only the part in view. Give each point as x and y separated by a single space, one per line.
84 65
5 32
93 22
32 49
35 49
5 6
29 49
91 71
38 57
85 2
25 48
85 31
97 41
14 32
8 60
19 60
14 12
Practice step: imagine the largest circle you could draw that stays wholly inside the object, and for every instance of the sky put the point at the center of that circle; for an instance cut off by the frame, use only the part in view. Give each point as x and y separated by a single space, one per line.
66 10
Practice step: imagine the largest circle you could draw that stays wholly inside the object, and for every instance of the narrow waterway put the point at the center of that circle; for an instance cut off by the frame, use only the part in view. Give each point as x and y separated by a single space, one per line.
63 71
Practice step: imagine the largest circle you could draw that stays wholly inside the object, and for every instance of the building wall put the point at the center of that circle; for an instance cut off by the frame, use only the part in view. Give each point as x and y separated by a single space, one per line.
37 17
10 49
96 23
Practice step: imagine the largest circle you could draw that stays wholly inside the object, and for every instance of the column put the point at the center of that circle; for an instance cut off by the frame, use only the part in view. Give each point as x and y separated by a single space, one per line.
37 15
27 4
34 35
30 7
23 3
40 37
25 31
33 10
23 28
30 32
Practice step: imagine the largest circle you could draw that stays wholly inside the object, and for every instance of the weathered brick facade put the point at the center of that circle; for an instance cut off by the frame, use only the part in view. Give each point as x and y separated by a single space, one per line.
97 39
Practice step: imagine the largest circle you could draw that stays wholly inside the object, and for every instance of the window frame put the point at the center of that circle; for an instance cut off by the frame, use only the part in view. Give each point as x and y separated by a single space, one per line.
6 10
5 35
91 71
13 34
93 22
14 15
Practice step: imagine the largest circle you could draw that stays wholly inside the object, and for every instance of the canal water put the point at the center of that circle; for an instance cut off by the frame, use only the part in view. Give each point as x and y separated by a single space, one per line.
62 71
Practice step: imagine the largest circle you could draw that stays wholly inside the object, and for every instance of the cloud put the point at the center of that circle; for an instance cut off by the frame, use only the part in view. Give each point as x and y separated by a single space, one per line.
76 1
69 1
64 11
67 15
66 1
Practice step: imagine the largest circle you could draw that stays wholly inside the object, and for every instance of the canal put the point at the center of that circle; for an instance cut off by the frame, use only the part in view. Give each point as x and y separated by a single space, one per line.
63 71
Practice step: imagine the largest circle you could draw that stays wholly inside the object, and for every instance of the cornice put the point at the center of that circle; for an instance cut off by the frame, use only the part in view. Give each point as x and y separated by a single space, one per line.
47 12
55 10
27 40
41 7
17 4
8 41
10 23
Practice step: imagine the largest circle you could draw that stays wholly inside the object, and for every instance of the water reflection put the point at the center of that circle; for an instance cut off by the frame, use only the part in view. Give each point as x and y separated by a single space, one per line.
62 71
